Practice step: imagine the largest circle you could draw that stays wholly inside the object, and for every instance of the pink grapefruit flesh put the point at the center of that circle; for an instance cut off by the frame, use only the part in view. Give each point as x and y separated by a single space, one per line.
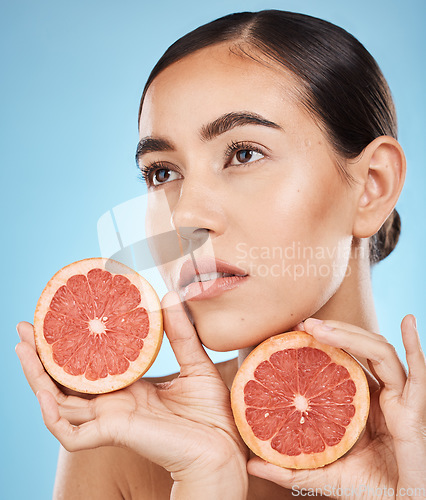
98 326
298 403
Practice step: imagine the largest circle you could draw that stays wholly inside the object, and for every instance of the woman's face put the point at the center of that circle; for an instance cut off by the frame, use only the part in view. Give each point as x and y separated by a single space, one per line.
238 157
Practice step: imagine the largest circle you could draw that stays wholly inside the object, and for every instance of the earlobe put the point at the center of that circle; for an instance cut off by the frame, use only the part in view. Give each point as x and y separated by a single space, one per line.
381 175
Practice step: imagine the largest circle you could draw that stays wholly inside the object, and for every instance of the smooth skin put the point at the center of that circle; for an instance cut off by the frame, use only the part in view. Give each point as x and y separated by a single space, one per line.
185 425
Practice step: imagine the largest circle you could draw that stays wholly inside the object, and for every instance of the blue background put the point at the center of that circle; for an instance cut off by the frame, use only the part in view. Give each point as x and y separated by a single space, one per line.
71 78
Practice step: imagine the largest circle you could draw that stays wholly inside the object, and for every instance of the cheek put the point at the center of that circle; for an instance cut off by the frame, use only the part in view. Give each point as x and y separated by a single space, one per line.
312 229
306 207
295 244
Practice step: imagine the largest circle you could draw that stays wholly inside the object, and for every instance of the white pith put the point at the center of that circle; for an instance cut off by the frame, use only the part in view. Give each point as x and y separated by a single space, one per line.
96 326
301 403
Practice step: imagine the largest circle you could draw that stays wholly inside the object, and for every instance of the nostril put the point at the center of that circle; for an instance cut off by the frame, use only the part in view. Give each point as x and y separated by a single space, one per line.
193 234
191 238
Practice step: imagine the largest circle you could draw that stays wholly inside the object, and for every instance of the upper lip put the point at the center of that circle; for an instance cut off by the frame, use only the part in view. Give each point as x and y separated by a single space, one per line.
203 265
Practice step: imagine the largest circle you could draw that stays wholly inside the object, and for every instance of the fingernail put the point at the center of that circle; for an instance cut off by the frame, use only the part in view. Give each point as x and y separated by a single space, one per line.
315 321
325 328
319 325
17 329
414 320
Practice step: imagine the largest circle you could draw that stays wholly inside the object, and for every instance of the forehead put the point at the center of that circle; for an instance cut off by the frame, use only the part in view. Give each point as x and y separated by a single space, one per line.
214 81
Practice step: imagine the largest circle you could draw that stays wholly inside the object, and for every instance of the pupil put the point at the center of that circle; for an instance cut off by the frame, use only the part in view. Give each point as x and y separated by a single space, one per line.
244 155
163 174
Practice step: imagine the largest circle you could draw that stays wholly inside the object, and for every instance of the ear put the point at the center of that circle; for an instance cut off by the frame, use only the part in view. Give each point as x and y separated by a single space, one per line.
380 172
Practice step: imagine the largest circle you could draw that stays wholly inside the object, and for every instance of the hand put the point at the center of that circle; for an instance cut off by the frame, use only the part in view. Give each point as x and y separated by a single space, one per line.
391 454
185 425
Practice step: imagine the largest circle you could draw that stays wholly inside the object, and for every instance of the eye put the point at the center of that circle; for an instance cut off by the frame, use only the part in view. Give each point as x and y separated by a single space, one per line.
247 156
157 174
240 153
163 175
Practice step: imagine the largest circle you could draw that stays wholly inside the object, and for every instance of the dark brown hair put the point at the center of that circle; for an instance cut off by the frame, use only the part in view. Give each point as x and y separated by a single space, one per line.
343 87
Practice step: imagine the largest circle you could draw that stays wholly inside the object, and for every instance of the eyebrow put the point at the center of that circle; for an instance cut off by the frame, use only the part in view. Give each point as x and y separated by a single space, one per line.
152 145
208 132
229 121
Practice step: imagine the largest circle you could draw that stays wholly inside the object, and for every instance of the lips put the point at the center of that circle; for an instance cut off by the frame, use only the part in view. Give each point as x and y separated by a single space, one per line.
205 265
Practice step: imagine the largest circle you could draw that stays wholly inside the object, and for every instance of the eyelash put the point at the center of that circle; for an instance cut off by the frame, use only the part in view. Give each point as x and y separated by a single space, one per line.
147 171
233 147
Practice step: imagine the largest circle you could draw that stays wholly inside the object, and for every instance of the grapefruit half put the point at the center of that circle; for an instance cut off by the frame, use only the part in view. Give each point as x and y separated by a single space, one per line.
98 326
298 403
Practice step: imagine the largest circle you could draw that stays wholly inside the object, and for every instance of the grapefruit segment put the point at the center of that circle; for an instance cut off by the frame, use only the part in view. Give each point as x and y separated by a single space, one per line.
298 403
98 326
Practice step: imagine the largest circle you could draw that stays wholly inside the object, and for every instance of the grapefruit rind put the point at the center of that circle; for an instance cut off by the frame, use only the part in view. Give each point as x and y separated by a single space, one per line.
294 340
152 342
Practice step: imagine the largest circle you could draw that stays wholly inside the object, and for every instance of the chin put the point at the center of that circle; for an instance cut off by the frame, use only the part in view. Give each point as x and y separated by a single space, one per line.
224 331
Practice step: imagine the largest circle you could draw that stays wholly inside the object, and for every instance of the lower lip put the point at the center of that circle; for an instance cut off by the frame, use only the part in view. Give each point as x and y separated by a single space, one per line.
212 288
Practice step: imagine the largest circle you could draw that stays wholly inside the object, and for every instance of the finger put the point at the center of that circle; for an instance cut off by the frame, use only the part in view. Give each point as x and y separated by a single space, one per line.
290 478
381 355
26 332
413 349
415 358
78 410
369 370
344 326
372 377
34 371
75 409
183 338
72 438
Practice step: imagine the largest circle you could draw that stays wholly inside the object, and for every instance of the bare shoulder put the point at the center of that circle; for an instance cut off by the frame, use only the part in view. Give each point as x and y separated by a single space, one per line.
109 473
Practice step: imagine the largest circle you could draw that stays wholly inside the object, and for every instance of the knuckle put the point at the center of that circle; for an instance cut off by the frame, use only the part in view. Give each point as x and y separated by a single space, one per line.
415 379
69 445
381 338
390 350
384 353
182 339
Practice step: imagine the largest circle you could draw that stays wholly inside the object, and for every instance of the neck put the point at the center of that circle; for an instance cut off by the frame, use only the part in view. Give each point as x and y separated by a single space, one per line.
353 302
242 354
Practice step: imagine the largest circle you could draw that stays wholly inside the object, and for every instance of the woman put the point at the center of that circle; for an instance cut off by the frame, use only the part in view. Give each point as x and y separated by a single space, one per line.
263 131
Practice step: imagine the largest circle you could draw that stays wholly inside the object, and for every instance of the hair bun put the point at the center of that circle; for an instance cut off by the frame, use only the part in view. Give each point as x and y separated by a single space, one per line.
384 241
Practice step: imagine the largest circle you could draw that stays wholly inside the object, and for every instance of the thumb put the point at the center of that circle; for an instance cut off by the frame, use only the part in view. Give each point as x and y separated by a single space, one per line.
186 345
320 479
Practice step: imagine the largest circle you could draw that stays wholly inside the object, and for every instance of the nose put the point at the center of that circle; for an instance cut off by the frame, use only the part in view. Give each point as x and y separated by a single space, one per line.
198 212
